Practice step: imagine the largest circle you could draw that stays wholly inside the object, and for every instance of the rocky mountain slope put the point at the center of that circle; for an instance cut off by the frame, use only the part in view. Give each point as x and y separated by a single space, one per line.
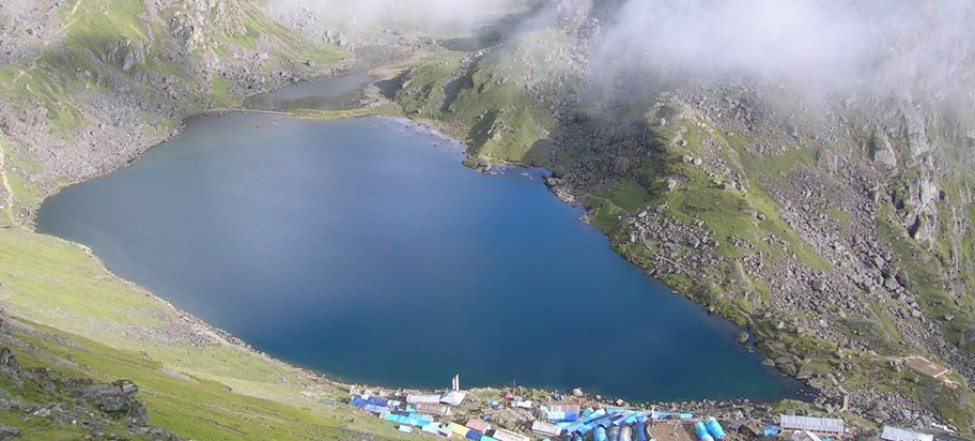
85 86
92 83
72 404
835 227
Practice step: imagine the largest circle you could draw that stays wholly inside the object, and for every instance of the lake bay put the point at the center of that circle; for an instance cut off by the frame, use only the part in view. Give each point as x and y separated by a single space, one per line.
363 249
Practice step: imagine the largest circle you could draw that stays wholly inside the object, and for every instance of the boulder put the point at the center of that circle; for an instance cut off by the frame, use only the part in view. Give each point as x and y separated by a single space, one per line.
818 285
118 398
736 274
882 152
7 359
7 432
743 337
671 184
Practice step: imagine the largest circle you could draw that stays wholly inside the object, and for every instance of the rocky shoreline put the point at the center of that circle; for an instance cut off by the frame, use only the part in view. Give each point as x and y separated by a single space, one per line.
805 303
689 251
199 333
860 262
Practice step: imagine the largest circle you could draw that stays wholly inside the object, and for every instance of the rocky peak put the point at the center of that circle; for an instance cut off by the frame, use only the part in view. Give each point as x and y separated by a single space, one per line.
195 22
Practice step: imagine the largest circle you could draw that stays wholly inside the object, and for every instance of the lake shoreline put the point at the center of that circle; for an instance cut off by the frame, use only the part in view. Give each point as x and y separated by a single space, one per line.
229 339
421 129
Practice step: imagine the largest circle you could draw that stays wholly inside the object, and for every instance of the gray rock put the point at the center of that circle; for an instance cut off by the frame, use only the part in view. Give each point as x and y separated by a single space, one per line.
8 360
903 279
743 337
882 152
7 432
670 184
818 285
736 274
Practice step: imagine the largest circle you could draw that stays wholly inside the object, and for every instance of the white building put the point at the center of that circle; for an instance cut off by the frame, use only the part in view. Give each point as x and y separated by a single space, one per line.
898 434
823 427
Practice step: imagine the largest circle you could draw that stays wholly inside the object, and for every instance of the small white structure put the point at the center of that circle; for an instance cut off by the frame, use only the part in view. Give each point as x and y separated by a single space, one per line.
453 398
433 428
546 429
898 434
567 408
523 404
823 427
803 435
433 409
423 399
507 435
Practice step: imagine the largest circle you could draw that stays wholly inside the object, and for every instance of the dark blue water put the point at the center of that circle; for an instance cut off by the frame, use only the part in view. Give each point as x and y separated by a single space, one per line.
363 249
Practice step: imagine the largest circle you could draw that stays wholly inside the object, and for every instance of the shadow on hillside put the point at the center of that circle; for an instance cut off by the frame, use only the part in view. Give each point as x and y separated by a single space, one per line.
600 149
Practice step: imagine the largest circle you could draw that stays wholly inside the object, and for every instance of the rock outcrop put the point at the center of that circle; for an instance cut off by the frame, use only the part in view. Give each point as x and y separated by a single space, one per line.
83 102
833 227
71 401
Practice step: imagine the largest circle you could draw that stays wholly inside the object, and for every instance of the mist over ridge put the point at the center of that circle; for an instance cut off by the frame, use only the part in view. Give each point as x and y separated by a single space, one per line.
363 18
833 45
844 46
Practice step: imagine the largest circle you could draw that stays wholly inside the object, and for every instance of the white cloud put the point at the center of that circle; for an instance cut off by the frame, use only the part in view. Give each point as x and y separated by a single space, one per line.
363 16
831 43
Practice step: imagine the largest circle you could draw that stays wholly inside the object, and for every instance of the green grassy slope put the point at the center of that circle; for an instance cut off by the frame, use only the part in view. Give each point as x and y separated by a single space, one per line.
499 104
189 406
643 159
69 313
120 63
196 382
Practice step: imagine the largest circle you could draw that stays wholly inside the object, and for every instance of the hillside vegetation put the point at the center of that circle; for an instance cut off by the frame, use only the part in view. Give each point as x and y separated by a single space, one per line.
837 232
90 84
118 76
64 312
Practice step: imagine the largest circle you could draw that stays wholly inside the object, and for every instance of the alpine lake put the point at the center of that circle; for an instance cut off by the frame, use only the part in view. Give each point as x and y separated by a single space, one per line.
363 249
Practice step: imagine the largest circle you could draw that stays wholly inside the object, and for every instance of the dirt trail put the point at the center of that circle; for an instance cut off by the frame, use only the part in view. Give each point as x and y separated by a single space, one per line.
8 202
33 63
8 193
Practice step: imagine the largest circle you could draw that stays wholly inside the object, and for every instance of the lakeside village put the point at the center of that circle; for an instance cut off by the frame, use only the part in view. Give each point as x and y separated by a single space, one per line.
491 415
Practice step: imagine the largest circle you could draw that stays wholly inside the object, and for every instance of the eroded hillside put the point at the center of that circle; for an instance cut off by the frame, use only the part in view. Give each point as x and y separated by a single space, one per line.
92 83
86 86
834 226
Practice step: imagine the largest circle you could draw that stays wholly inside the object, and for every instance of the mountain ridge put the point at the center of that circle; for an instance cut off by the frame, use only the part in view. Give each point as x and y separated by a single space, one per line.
834 228
89 85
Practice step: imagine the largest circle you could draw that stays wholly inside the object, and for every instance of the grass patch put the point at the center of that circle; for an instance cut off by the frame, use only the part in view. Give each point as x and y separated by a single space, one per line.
926 273
193 408
386 110
25 193
203 392
489 102
630 196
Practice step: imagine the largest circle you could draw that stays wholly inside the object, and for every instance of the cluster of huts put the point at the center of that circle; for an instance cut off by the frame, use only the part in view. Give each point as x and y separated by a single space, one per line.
805 428
566 422
571 423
